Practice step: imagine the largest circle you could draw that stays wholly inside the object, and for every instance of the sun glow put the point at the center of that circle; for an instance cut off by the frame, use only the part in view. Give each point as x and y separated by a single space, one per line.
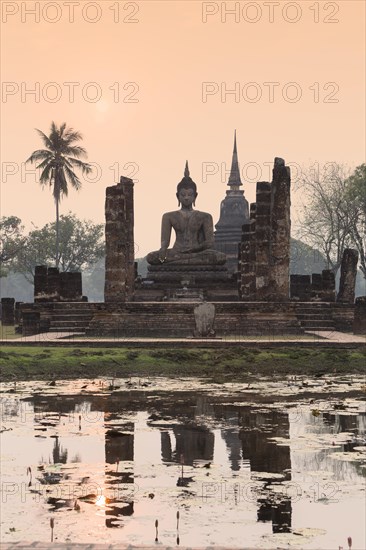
100 501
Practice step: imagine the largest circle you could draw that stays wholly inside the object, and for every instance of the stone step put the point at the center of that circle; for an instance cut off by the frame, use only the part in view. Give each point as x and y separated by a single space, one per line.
56 318
312 323
69 323
80 330
315 316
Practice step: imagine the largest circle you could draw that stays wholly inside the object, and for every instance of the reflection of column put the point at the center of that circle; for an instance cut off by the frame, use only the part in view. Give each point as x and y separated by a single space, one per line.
279 515
119 448
59 454
266 456
193 442
166 447
231 436
233 444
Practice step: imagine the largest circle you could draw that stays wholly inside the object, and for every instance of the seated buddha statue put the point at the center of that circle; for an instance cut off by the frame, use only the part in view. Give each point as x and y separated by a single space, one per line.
194 243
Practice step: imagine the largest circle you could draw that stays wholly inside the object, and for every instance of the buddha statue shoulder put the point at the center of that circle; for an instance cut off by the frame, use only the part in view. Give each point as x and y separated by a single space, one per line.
194 237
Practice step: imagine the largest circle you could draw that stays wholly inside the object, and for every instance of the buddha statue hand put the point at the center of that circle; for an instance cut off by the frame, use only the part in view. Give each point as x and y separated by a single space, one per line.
162 255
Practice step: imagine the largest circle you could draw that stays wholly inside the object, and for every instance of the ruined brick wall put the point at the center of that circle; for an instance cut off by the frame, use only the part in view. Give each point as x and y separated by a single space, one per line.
52 286
264 253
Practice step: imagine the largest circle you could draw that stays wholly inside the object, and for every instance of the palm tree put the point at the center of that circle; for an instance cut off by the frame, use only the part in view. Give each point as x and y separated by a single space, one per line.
58 162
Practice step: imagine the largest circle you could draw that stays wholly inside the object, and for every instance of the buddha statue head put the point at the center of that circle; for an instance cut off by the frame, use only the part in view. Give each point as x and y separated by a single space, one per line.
186 189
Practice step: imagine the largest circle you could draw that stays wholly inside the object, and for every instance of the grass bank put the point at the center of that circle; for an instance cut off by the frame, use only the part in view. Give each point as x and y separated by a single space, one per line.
36 363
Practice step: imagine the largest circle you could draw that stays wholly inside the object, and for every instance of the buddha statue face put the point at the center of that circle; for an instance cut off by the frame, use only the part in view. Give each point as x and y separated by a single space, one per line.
186 197
186 194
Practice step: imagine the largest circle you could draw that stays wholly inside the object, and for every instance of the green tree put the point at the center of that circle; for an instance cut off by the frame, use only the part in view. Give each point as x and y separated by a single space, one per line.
81 245
11 241
57 163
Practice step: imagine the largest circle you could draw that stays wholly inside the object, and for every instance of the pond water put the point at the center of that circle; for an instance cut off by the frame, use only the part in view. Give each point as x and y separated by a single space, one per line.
263 464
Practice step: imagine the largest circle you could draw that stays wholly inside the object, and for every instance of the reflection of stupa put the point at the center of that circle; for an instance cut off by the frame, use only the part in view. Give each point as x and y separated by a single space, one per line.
234 212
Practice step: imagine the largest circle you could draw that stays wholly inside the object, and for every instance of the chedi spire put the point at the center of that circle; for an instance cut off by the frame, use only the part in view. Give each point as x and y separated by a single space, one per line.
234 178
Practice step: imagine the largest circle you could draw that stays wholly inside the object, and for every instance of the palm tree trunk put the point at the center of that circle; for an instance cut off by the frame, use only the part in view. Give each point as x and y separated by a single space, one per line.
57 233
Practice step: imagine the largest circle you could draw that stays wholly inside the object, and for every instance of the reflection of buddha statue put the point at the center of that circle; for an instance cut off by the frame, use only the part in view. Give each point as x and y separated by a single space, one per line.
194 244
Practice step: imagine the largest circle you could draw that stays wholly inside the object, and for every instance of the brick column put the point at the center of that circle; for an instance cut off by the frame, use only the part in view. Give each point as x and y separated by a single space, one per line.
127 186
119 261
347 284
280 232
262 239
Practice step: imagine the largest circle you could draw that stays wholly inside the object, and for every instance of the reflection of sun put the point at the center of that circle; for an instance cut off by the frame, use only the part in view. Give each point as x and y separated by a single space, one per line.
100 501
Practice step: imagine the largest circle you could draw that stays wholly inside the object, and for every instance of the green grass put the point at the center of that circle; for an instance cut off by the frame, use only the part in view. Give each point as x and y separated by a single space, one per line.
31 363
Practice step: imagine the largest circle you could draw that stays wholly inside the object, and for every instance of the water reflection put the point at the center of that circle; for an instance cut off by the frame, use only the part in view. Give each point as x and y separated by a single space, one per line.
119 453
187 442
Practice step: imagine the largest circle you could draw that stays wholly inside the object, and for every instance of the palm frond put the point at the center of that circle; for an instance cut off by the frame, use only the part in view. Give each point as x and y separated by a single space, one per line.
72 177
46 140
40 154
47 174
84 166
74 150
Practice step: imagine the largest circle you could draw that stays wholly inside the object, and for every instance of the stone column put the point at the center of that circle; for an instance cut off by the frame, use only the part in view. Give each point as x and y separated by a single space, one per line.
280 232
262 239
346 294
127 186
119 263
7 312
359 323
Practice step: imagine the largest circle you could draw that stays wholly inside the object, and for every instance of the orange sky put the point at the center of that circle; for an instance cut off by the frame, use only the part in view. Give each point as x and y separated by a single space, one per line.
169 52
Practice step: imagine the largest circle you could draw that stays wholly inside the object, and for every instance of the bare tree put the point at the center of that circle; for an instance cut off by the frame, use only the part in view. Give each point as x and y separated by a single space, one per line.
327 213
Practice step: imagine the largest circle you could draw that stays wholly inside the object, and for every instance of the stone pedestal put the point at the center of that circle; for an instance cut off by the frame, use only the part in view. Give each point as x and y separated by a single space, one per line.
204 316
359 323
347 284
7 312
187 275
119 237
